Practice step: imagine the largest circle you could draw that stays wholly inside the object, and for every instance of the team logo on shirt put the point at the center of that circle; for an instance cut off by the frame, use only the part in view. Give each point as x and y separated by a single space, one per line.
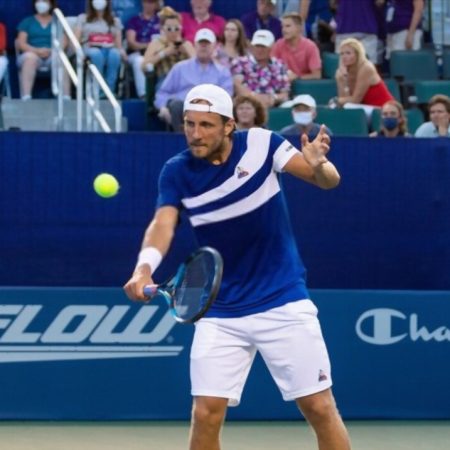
241 172
322 375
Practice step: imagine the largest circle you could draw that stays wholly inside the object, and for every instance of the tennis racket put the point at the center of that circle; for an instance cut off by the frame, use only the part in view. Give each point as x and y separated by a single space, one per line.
192 290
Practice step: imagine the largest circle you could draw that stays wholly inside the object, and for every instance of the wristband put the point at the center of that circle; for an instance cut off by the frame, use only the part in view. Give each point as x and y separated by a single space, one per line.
151 256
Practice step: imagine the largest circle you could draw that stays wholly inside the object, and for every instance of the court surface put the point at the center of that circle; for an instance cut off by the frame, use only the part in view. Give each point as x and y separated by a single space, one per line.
366 435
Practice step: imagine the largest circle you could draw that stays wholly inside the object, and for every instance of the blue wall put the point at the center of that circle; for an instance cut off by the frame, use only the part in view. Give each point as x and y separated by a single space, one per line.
385 227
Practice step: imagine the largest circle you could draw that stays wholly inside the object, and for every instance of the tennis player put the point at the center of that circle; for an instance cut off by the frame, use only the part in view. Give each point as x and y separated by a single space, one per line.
227 183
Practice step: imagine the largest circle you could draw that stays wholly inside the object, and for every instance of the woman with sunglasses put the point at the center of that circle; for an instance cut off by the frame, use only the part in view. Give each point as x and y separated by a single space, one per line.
164 52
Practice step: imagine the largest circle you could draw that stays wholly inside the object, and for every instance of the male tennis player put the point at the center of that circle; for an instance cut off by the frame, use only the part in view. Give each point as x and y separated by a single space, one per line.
227 183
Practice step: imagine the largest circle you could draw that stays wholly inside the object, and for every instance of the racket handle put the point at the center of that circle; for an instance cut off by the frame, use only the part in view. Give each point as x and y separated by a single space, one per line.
150 290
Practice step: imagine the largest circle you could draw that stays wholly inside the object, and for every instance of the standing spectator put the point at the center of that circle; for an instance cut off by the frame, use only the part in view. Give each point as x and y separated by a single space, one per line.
260 75
201 17
3 57
358 81
169 48
186 74
393 121
262 18
34 45
303 114
403 19
359 20
300 54
439 124
140 30
234 43
248 112
100 33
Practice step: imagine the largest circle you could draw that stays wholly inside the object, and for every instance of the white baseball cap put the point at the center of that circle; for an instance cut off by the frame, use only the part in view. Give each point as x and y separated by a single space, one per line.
219 100
303 99
263 37
205 34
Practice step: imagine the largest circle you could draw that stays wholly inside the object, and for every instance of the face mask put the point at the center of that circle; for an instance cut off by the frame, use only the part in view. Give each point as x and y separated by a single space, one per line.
390 123
42 7
99 5
303 118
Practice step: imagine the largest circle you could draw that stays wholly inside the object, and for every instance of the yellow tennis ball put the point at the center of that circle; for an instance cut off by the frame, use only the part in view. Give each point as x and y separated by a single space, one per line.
106 185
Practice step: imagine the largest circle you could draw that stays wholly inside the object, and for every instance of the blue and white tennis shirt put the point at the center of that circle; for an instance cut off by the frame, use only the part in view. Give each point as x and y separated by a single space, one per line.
238 208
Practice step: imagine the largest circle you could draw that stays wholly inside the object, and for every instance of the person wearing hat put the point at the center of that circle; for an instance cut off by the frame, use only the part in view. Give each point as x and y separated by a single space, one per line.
261 75
228 185
184 75
262 18
303 113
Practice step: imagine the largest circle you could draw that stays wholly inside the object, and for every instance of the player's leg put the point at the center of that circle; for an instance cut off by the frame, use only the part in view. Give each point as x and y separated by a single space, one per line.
320 411
208 415
221 357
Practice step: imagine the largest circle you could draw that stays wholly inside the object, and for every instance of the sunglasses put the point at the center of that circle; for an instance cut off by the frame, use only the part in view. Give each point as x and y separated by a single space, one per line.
169 29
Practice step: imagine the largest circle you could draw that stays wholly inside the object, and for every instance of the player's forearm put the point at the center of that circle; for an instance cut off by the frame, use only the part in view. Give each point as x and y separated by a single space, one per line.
158 235
326 175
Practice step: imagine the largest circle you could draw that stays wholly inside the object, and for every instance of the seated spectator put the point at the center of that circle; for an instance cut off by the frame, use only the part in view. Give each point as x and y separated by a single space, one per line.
3 57
439 124
248 112
300 54
201 17
303 114
403 23
100 34
234 43
139 33
186 74
393 121
260 75
357 79
262 18
34 44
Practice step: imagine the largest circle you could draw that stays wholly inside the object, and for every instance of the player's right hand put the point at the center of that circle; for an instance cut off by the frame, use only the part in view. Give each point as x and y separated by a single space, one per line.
134 288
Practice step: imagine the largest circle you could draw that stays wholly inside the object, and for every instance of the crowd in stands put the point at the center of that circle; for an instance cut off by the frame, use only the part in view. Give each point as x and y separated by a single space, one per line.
265 58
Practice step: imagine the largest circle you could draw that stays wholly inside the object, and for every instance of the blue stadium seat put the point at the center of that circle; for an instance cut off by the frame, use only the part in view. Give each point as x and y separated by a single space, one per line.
424 90
344 122
412 65
279 118
321 90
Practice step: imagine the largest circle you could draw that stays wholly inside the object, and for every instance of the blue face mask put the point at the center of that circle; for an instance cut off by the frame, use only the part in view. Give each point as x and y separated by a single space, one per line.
390 123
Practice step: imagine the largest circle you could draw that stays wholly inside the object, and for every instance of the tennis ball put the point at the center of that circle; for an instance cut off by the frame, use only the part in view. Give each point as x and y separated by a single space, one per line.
106 185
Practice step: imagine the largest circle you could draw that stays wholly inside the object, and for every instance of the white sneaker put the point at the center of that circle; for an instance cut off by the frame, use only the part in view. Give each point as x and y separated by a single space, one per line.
26 97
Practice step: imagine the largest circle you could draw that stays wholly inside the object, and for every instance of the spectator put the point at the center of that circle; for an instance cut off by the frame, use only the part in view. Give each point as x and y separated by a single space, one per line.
234 43
34 45
248 112
357 79
403 19
100 33
358 19
300 54
262 18
169 48
201 17
3 57
439 124
140 30
186 74
303 114
260 75
393 121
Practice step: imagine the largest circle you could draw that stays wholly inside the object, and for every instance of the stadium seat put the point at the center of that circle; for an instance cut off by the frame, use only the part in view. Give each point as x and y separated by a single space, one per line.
321 90
424 90
344 122
330 63
414 116
279 118
446 65
393 87
412 65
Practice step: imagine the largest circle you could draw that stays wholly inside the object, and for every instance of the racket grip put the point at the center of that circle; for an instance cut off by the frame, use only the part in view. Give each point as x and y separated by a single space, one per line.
150 290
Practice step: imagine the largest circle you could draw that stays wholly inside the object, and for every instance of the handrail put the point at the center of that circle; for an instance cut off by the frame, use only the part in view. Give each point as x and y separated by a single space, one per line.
61 28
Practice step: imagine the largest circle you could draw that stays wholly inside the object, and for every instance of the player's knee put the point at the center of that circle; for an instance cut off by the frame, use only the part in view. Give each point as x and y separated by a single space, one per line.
208 412
318 408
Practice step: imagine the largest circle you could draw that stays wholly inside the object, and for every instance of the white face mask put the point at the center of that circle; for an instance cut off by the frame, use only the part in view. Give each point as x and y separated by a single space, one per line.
303 117
42 7
99 5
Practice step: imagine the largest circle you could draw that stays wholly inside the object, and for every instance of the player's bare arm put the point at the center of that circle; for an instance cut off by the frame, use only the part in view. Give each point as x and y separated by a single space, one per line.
158 235
312 164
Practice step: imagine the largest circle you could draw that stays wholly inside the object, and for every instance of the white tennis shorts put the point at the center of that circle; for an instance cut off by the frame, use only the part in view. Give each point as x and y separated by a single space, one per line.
289 339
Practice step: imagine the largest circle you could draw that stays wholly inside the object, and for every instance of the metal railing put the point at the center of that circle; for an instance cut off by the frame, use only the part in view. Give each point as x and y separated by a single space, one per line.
62 37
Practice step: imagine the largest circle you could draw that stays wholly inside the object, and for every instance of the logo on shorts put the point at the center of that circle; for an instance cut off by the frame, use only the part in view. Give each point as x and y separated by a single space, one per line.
241 172
322 375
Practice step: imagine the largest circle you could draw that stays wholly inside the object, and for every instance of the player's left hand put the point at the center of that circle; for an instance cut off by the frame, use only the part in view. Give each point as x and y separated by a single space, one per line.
315 151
